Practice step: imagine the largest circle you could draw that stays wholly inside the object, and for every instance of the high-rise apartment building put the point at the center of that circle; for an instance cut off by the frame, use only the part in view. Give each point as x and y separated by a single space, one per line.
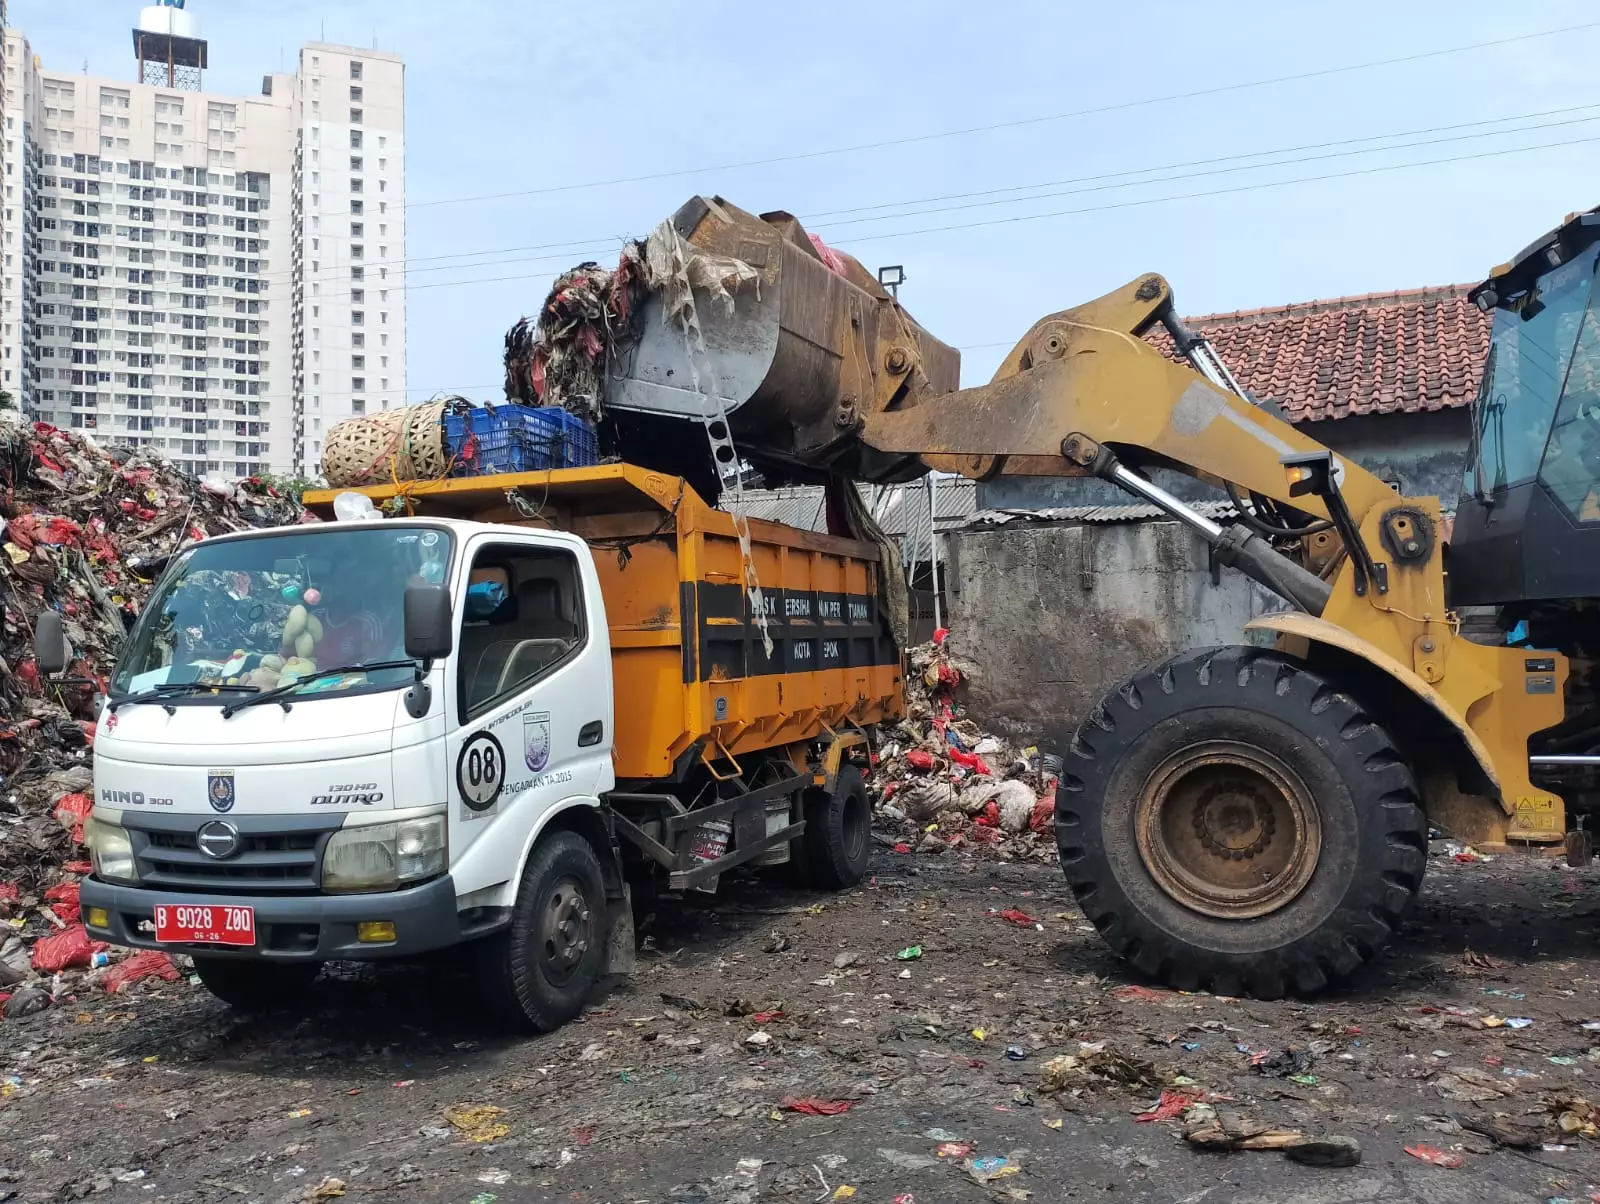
219 277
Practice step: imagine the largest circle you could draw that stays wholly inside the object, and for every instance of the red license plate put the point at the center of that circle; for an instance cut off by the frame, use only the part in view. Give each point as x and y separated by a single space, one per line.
191 923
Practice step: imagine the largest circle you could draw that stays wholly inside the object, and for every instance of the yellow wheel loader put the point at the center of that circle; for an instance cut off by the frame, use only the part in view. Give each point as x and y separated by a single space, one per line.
1252 819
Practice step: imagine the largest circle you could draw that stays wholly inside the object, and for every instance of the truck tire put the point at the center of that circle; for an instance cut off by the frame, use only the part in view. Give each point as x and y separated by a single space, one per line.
837 842
256 986
1229 819
538 973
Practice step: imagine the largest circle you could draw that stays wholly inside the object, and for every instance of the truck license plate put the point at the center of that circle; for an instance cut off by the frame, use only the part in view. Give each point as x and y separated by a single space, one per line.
190 924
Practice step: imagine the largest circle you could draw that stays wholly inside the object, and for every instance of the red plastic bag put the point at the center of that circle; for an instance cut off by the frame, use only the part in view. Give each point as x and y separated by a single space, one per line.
150 963
972 761
817 1107
63 900
10 892
26 530
1044 812
1020 918
1172 1103
65 950
989 817
1433 1154
828 255
940 636
71 811
919 758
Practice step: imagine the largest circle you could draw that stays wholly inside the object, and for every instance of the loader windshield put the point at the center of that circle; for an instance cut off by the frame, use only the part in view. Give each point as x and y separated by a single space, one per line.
257 614
1538 408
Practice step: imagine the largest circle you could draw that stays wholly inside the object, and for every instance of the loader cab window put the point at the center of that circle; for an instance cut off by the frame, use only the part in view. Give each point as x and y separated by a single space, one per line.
523 618
1571 468
1531 348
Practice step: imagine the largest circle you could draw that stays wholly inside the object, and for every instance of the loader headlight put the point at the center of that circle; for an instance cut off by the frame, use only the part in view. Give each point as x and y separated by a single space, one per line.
111 849
384 856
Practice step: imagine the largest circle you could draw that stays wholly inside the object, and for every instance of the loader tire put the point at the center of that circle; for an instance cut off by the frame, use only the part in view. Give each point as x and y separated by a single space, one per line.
1231 820
538 973
837 842
252 985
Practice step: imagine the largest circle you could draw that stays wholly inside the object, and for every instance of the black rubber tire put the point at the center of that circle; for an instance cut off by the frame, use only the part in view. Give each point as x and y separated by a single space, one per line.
520 983
253 985
837 842
1374 836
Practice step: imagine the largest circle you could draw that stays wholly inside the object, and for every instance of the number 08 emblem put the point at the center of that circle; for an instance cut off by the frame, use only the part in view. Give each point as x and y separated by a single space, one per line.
481 771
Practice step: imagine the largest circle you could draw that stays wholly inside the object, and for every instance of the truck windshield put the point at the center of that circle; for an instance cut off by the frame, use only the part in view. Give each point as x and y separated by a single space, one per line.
265 612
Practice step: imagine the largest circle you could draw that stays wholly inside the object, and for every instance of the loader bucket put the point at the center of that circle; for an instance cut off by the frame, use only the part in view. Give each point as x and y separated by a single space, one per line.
794 362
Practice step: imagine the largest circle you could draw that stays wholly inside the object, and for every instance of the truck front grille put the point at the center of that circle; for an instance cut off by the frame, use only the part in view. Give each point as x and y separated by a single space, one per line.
266 862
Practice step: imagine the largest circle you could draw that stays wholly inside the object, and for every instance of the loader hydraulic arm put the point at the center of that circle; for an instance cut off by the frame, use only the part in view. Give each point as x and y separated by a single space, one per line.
1084 393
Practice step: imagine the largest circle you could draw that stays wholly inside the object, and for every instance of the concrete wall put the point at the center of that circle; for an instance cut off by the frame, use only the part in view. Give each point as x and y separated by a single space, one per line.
1425 453
1049 615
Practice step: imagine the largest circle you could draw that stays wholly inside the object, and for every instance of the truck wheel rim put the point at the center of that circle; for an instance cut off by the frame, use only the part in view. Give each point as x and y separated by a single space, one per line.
1228 830
563 930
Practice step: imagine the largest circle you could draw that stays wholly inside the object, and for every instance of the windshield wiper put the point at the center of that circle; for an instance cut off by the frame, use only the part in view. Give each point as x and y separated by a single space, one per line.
285 691
176 689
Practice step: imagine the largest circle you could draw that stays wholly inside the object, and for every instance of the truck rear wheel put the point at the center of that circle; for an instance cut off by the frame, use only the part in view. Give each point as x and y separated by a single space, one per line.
539 972
256 986
837 842
1229 819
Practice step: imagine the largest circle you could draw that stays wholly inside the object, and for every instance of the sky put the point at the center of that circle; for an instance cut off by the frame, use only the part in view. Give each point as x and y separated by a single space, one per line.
1015 158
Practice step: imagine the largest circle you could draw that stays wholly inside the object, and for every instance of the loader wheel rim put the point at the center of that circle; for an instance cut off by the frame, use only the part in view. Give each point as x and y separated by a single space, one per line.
1228 830
564 930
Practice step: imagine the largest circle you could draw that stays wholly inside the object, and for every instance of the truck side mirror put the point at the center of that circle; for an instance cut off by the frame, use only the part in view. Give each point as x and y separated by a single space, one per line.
430 632
50 646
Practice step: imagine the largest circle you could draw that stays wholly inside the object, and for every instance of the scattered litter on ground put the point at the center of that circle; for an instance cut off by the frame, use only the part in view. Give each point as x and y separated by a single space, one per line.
478 1122
1433 1154
817 1107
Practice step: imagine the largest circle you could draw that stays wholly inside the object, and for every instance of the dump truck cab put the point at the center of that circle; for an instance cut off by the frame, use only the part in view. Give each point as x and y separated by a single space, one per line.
375 737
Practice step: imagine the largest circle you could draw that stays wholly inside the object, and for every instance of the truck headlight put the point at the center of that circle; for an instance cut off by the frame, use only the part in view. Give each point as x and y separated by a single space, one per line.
376 857
111 849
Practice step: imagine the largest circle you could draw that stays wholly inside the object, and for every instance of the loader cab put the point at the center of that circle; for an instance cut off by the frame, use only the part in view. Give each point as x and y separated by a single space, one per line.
1527 528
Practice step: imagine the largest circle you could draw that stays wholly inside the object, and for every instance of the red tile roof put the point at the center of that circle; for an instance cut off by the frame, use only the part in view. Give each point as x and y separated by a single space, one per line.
1383 353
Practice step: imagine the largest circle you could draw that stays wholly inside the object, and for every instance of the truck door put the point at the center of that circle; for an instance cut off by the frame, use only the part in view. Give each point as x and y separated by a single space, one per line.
530 711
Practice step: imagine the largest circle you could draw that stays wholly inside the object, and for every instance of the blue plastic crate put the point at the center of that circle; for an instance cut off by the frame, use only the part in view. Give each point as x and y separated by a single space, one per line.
513 438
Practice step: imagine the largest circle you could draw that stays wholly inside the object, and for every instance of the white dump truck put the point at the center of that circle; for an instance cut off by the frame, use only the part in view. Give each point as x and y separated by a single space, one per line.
376 737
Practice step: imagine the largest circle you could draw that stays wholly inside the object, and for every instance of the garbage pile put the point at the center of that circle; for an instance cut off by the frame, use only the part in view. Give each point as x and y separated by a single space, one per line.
943 783
85 531
592 316
557 358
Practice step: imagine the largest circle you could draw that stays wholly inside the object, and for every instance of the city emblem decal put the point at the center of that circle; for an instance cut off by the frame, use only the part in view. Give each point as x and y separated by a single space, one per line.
220 789
536 740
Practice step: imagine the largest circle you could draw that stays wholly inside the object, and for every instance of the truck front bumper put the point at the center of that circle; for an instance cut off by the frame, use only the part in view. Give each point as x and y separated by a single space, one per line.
311 928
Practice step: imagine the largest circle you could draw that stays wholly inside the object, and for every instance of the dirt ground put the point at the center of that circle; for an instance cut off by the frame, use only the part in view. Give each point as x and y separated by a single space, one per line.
660 1093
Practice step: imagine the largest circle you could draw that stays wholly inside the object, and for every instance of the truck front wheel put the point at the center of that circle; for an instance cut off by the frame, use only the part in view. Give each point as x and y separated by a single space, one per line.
1230 819
539 972
256 986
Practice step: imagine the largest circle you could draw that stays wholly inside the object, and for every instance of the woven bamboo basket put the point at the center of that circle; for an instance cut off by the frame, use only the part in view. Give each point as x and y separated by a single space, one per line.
392 445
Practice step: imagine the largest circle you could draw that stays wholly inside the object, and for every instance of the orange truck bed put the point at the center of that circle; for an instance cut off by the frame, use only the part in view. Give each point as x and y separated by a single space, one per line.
690 666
